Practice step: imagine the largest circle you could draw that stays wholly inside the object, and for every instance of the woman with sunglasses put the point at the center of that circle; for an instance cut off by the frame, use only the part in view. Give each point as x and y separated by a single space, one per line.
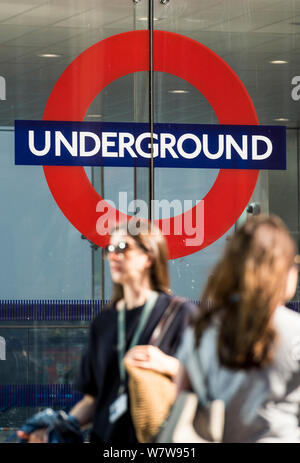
138 265
243 347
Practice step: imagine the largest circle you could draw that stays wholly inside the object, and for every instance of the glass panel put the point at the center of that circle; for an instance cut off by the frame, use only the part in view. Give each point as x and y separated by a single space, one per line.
14 368
43 256
14 372
55 354
284 191
258 40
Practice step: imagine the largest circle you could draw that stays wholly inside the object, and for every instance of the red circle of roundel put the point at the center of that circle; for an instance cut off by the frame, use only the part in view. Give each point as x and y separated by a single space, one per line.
126 53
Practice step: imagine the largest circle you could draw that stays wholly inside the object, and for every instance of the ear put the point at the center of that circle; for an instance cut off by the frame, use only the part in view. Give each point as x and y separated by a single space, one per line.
149 262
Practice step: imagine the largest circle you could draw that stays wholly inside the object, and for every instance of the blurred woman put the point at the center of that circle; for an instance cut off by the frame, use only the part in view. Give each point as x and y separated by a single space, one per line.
138 264
244 346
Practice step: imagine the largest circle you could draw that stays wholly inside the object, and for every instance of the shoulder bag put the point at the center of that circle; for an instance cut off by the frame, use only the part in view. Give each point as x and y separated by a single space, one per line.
152 393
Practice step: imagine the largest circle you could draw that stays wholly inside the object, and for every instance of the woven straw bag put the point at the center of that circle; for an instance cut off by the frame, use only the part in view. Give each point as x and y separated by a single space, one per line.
151 396
152 393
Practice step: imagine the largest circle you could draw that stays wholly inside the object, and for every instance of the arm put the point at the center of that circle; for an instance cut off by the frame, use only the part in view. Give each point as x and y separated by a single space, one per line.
152 358
83 411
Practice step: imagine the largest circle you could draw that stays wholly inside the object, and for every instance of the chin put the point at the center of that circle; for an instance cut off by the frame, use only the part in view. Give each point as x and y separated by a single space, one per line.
117 277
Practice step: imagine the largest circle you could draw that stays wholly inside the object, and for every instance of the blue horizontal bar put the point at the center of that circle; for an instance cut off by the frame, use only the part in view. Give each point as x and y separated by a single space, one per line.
62 310
38 395
50 310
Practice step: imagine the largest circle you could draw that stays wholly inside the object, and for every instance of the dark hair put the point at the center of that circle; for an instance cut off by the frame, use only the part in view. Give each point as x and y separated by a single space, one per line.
150 239
245 288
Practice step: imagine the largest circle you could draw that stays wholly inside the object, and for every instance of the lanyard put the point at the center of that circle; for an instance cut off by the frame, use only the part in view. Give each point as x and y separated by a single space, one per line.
147 309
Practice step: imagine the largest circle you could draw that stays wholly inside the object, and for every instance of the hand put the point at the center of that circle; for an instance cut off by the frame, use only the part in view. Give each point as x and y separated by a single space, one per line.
152 358
39 436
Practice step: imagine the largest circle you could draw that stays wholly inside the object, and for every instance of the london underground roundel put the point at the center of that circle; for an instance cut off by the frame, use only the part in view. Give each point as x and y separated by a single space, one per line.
183 57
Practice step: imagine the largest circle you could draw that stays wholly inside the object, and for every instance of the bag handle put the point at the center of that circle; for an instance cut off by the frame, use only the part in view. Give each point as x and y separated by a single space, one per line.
165 321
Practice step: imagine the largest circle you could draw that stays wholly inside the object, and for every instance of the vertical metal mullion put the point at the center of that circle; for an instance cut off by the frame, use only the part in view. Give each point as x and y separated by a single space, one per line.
151 104
98 184
92 250
298 202
135 120
102 267
298 183
134 116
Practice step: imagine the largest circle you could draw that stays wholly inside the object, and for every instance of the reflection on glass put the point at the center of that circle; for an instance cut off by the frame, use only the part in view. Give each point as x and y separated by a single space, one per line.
55 354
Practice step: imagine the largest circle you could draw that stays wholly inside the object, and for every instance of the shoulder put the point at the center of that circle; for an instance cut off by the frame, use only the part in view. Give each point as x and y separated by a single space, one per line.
287 322
189 306
284 316
204 351
185 309
287 327
106 316
184 303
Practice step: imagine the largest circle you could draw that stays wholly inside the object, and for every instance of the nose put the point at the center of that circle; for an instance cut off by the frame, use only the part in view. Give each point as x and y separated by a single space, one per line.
115 256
